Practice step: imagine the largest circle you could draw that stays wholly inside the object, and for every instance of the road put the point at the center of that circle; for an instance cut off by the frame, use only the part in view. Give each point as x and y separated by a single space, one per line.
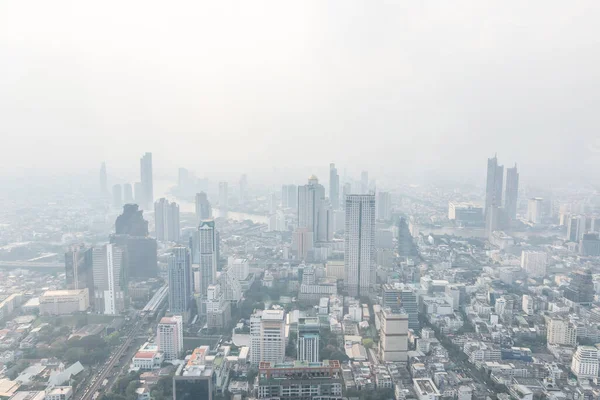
104 371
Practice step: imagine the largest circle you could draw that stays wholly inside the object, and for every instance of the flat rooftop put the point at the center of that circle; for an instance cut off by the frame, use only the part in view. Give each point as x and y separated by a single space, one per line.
273 315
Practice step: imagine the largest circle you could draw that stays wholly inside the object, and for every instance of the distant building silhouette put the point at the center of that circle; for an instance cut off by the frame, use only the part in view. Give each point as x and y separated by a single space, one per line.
131 222
147 181
493 188
203 207
512 193
78 269
581 288
166 220
334 187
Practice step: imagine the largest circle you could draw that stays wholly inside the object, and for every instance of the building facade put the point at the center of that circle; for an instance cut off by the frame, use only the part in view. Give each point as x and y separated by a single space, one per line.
359 244
169 337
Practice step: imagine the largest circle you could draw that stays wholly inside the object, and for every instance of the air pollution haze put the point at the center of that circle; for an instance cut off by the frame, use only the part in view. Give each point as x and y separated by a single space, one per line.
414 89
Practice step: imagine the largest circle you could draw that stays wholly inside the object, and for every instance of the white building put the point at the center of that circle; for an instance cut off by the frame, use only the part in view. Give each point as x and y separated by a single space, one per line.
207 255
359 244
534 210
267 338
393 337
561 331
166 220
585 362
527 304
534 263
218 310
108 268
314 210
169 337
147 357
426 389
59 393
308 340
62 302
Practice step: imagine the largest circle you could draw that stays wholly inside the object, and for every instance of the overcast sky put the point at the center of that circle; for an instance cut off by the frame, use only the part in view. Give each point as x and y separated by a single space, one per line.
223 87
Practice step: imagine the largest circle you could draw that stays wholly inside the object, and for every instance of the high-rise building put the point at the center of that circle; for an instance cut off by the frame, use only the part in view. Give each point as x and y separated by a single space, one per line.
314 211
585 362
581 288
576 227
131 222
218 309
561 331
534 210
364 182
203 208
239 268
406 245
302 243
384 206
527 304
147 181
300 380
512 193
78 269
346 190
334 187
589 246
223 196
109 268
534 263
493 188
308 340
267 336
127 193
103 180
166 220
207 254
169 337
393 337
117 195
289 196
180 280
359 244
243 189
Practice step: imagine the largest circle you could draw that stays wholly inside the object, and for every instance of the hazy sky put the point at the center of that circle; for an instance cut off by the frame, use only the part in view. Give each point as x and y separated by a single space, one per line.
224 87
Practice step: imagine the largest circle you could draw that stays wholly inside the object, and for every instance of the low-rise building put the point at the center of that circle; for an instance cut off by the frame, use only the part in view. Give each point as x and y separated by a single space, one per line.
59 393
63 302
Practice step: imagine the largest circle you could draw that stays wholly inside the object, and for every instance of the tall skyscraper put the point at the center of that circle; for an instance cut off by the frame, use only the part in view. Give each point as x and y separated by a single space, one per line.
78 269
207 254
169 337
109 270
314 211
334 187
364 182
103 180
223 196
534 210
493 188
203 208
180 280
512 193
308 340
384 206
132 232
117 194
147 181
243 189
127 193
359 244
166 220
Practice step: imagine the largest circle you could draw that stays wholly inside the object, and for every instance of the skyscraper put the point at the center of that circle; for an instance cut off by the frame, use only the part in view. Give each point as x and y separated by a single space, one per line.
534 210
364 182
308 340
127 193
103 180
359 244
207 254
169 337
581 288
117 194
314 211
78 269
384 206
166 220
493 188
223 196
147 181
132 232
180 280
512 193
203 208
267 336
334 187
109 270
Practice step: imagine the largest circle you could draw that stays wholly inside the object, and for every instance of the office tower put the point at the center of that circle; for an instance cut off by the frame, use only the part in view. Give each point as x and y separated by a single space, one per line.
117 195
223 196
493 188
359 244
581 288
534 210
589 246
302 243
364 182
180 280
401 300
308 340
78 269
166 220
393 337
243 189
218 310
103 180
314 211
334 187
300 380
384 206
203 208
534 263
169 337
255 338
194 378
346 190
109 268
585 363
561 331
267 339
147 181
138 193
512 193
127 193
576 227
132 233
207 254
